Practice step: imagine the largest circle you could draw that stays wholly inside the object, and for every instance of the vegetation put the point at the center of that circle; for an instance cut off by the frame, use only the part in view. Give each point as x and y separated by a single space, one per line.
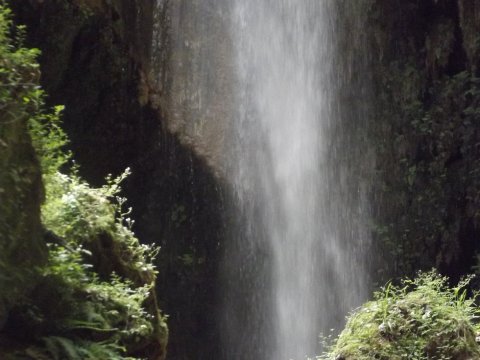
422 319
20 184
91 297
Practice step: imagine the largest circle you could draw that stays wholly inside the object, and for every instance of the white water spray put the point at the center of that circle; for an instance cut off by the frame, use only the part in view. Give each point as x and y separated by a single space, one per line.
275 95
289 175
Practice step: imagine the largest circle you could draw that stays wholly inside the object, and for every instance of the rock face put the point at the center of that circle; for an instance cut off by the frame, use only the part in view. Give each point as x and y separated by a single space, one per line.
426 131
192 68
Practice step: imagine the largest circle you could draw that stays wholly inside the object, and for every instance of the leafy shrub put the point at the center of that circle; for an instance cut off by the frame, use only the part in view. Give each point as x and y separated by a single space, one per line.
88 216
49 139
87 316
20 95
59 348
99 273
420 319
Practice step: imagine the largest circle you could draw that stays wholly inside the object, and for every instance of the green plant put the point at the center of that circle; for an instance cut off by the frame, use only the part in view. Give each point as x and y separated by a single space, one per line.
108 309
49 139
81 215
114 307
61 348
422 319
19 92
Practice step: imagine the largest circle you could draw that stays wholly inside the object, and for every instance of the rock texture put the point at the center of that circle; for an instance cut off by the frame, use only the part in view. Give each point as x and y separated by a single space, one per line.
426 132
192 66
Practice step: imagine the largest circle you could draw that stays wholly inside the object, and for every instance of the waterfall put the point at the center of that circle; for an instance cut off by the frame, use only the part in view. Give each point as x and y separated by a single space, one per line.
304 206
275 94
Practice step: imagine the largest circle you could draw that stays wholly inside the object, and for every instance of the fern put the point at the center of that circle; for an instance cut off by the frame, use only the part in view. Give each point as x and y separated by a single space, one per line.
61 348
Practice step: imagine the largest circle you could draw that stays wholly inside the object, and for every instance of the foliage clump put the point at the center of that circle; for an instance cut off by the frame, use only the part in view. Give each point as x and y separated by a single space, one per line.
93 300
92 295
75 315
422 319
95 218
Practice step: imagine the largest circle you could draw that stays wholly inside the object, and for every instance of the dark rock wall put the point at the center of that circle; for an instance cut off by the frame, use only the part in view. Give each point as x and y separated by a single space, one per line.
182 211
426 132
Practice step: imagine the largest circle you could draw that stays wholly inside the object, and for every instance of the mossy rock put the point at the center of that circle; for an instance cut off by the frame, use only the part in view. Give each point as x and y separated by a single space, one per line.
422 319
21 189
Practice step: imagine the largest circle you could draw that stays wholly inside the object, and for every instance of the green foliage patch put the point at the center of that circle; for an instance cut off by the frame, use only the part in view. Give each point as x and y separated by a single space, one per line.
75 315
83 307
102 277
95 218
422 319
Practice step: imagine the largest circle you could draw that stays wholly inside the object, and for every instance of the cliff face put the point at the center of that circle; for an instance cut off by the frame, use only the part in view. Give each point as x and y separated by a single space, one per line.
192 66
426 132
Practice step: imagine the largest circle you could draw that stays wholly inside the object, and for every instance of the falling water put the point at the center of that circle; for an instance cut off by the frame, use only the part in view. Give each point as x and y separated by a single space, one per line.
303 202
277 94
